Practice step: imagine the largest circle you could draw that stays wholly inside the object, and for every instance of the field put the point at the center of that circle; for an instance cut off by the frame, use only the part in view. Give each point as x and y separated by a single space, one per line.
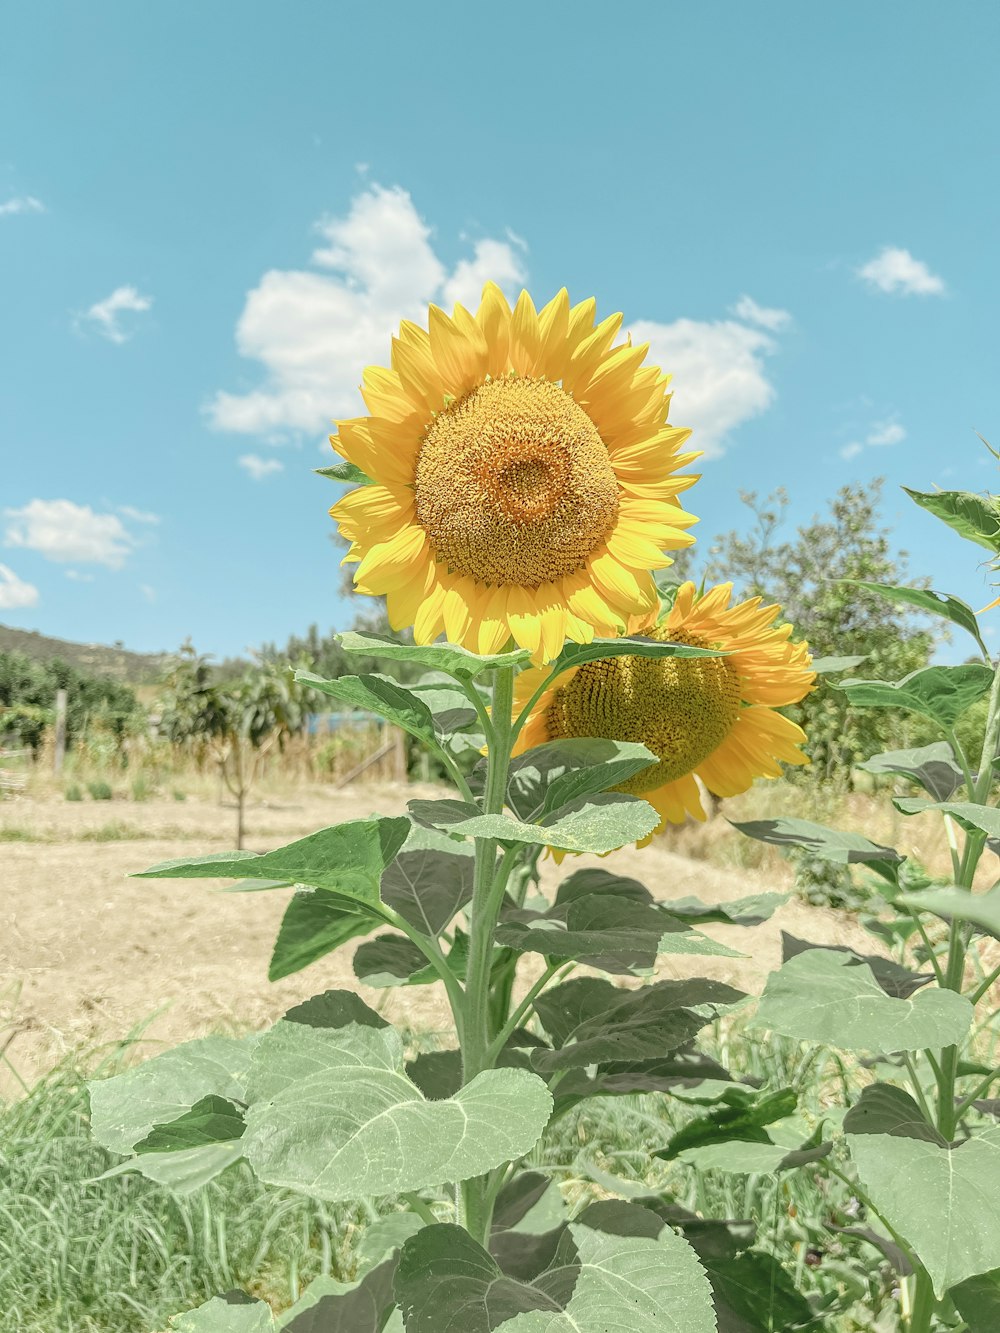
92 953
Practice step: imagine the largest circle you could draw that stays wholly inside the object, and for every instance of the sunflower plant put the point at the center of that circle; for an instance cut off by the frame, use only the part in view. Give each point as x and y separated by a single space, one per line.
516 485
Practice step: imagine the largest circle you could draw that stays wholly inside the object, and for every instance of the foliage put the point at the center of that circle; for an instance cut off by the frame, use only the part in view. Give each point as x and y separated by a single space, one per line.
27 700
813 577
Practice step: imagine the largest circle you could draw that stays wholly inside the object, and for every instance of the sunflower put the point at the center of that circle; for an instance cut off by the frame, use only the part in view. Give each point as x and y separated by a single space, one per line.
713 717
524 477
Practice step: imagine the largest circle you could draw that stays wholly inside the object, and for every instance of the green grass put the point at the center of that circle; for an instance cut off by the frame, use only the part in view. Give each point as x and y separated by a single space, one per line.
83 1255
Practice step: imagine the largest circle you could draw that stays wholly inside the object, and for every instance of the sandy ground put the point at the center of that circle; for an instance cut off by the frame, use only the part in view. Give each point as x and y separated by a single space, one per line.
86 953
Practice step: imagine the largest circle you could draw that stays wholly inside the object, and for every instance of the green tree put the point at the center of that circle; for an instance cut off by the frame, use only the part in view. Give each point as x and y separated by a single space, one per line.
804 574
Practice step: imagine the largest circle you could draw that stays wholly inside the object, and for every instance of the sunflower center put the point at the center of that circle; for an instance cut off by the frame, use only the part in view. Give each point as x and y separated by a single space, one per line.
514 485
681 708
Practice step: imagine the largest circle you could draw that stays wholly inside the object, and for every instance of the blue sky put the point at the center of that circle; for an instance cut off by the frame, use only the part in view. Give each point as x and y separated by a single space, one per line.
211 217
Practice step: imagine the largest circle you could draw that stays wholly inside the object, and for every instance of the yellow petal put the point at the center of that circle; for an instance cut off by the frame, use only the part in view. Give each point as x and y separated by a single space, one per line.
390 563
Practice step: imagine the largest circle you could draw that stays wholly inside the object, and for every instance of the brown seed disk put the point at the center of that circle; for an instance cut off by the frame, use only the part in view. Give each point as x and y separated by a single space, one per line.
514 485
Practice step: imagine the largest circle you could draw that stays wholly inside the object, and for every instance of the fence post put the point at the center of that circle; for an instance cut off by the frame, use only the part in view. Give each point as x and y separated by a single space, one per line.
60 750
399 757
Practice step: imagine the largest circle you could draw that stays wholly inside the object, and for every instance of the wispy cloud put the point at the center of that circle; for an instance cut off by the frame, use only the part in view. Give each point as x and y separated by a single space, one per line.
880 434
149 593
67 532
14 592
765 317
897 272
25 203
105 316
259 468
138 515
76 576
314 332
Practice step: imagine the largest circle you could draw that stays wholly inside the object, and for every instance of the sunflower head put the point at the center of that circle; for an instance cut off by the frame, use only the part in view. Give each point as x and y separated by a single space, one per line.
525 477
714 717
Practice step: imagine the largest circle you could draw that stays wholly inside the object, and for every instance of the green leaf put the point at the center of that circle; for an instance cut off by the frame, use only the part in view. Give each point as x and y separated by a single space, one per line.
332 1114
884 1109
582 883
379 1239
576 654
825 666
448 657
825 996
750 911
599 824
554 774
226 1315
742 1158
839 846
347 859
394 960
944 1202
519 1197
968 813
327 1306
942 693
349 473
615 935
315 923
126 1109
932 603
972 516
954 904
977 1300
617 1078
593 1021
430 880
616 1257
379 695
742 1122
933 766
211 1120
897 981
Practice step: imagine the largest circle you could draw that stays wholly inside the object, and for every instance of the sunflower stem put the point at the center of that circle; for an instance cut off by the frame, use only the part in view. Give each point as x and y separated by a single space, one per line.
487 896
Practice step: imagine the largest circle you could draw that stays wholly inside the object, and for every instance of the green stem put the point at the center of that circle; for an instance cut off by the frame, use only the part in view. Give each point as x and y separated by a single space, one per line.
500 1040
487 896
931 954
918 1087
421 1207
922 1310
978 1091
984 986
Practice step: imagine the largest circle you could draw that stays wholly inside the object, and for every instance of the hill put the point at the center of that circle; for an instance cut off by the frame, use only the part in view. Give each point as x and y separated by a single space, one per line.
117 662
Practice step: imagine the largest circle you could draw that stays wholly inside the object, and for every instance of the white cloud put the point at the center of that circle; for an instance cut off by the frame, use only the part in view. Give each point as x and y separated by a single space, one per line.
766 317
719 378
148 592
63 531
880 434
259 468
25 203
105 315
138 515
77 577
896 271
14 592
314 332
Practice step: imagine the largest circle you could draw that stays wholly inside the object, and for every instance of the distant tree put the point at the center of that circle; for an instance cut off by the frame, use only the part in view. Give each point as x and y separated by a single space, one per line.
803 575
233 723
27 694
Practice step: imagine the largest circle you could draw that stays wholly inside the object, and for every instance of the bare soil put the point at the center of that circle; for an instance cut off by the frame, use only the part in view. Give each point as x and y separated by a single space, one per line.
88 954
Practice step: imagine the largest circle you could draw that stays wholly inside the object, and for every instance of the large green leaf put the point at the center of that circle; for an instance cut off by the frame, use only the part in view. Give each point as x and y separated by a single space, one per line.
837 845
226 1314
933 766
315 923
327 1306
447 657
347 859
940 604
211 1120
972 516
895 980
126 1110
977 1300
885 1109
968 813
954 904
615 935
600 824
332 1114
379 695
942 693
746 1156
592 1021
684 1067
559 772
826 996
944 1202
394 960
616 1263
750 911
825 666
576 654
430 880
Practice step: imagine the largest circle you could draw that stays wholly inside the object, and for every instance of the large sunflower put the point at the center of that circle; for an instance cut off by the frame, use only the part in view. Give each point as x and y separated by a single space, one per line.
524 477
710 716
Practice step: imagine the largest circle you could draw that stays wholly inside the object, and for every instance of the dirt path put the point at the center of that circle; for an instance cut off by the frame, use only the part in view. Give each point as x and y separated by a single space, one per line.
86 953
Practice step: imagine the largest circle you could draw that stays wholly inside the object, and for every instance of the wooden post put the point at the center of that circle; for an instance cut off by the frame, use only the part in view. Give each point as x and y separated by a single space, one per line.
60 751
399 752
